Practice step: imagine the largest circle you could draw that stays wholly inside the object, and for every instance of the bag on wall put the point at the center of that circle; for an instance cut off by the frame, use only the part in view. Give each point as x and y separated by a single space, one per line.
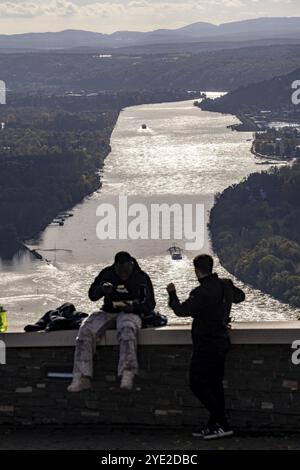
154 320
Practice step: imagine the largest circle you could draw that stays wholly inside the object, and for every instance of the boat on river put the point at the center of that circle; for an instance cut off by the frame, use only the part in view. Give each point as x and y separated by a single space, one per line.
65 215
175 252
59 222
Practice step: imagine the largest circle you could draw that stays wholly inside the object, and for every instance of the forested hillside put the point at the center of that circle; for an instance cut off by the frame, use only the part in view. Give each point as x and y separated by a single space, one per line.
255 229
215 70
274 95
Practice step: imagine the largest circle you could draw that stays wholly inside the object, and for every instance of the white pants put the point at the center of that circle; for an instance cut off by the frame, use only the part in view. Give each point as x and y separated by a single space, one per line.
93 327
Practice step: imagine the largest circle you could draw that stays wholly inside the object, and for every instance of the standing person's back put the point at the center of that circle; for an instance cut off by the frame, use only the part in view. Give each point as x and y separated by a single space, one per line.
209 305
210 317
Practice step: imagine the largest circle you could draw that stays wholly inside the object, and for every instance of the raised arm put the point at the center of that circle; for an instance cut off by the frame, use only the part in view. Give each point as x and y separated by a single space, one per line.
189 307
233 293
238 295
96 290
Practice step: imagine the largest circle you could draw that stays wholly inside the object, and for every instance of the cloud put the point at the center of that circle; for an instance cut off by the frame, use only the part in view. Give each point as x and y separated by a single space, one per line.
69 8
35 8
31 9
112 15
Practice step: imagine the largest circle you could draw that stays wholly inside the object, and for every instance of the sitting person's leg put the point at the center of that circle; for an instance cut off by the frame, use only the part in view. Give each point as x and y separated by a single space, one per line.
92 328
128 325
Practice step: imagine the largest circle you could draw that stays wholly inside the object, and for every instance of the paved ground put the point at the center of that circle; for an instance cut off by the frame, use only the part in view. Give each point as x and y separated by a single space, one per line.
99 439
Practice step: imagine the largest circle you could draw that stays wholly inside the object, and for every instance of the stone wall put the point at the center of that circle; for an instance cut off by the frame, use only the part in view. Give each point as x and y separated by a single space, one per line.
262 384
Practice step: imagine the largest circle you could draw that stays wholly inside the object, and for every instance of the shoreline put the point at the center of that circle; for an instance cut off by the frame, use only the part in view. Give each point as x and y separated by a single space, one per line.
214 235
254 247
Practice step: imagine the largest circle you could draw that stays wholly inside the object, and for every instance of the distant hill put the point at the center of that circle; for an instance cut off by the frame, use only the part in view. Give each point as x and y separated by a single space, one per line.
249 30
274 95
257 28
185 47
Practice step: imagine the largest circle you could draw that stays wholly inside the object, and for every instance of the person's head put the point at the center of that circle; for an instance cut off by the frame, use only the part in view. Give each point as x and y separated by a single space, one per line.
124 265
203 265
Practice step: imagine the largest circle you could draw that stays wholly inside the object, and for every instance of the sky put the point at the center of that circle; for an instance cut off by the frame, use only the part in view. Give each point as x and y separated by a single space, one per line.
107 16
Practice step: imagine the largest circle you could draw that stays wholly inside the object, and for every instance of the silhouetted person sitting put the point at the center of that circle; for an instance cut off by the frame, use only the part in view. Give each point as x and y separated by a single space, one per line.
209 304
128 294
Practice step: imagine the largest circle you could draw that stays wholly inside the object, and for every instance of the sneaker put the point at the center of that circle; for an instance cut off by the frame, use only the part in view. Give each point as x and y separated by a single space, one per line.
217 432
79 384
199 432
127 380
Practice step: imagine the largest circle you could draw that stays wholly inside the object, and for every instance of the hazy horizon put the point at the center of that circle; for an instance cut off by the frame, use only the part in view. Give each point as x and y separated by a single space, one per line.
23 16
137 29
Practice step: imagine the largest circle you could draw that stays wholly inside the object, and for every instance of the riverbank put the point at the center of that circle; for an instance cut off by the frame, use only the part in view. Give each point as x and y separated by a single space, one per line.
269 159
246 124
255 232
252 223
278 143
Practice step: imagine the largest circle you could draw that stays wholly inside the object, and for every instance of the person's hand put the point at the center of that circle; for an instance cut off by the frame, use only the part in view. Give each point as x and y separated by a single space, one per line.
171 288
107 288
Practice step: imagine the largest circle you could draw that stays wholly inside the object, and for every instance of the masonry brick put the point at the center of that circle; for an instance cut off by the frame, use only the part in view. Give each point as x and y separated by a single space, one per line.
24 390
262 393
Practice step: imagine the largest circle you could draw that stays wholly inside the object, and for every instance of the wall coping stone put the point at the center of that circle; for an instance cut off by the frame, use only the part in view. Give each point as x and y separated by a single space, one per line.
241 333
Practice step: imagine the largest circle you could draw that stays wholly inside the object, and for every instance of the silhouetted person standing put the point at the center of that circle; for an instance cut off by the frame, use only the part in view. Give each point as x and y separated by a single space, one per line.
209 304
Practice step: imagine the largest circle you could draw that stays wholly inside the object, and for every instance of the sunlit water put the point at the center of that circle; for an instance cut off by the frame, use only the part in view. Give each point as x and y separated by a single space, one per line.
185 155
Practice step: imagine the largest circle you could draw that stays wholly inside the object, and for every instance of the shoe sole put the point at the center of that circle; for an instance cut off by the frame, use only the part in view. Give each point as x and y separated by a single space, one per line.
218 436
196 434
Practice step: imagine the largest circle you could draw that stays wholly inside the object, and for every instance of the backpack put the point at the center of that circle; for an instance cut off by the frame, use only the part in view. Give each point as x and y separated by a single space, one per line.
154 320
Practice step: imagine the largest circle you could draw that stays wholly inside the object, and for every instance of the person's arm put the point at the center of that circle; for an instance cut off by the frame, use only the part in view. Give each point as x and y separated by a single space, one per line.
189 307
150 297
238 295
96 291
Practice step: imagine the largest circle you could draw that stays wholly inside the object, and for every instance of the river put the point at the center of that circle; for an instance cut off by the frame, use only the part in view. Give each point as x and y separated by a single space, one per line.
185 155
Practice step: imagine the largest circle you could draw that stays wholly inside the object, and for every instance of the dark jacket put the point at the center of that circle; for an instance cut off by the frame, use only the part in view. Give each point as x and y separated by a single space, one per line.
138 288
209 304
65 317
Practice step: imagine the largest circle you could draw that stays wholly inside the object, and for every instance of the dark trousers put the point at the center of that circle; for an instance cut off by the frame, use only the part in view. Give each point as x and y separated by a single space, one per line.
206 382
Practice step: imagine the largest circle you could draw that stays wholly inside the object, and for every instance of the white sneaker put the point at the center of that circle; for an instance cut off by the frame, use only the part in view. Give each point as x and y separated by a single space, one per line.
217 432
127 380
79 384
